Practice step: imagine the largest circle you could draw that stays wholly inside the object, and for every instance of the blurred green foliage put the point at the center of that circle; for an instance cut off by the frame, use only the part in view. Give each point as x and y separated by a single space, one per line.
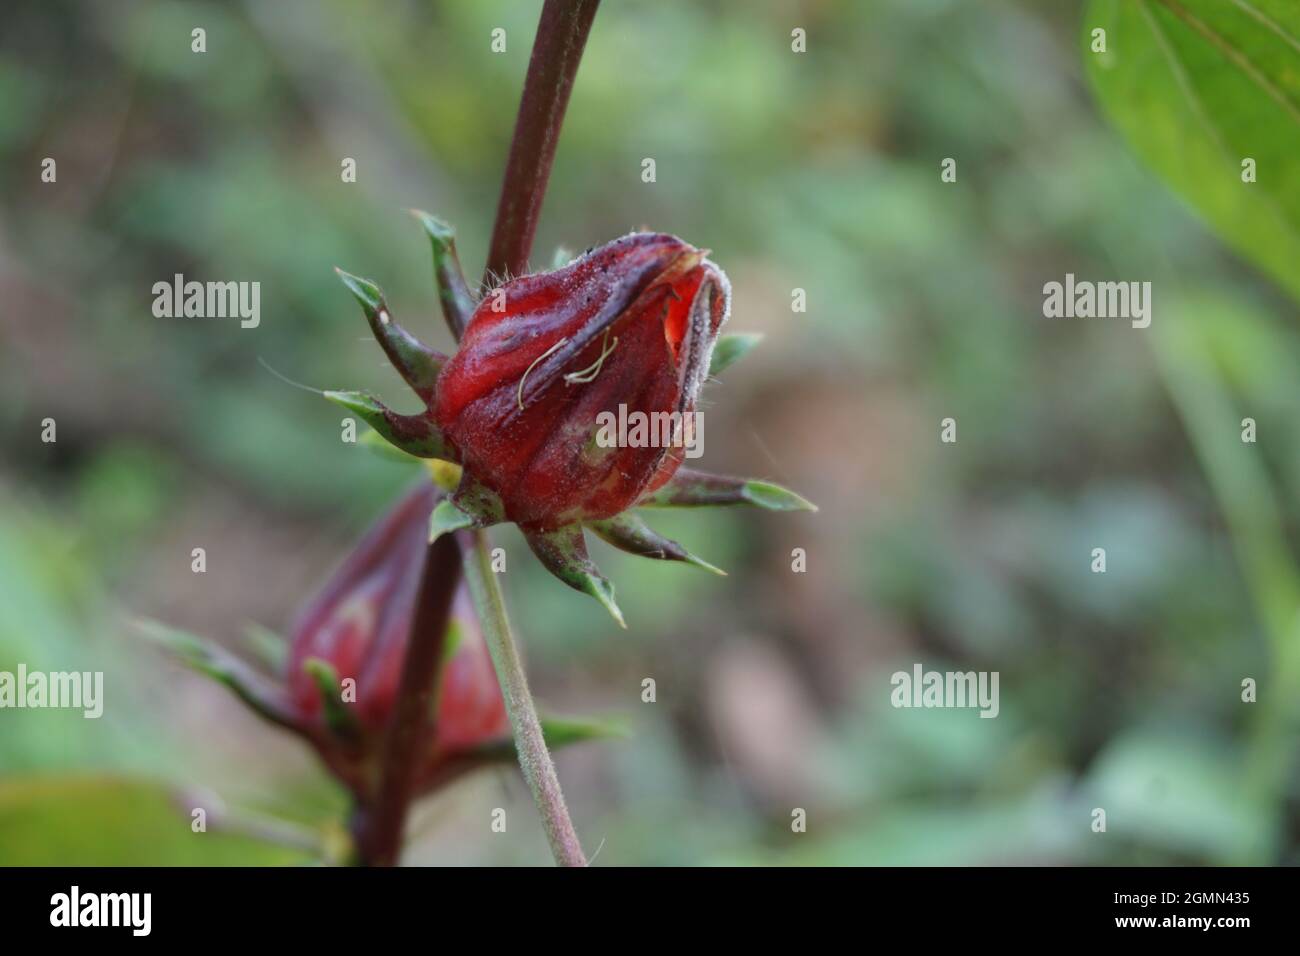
816 170
1202 89
75 821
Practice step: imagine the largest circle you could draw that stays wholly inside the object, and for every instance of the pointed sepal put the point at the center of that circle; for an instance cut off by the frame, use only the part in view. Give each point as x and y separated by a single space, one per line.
414 434
696 489
266 698
318 845
563 731
480 500
448 517
270 648
730 349
558 732
563 552
453 292
474 505
629 533
418 364
338 718
371 440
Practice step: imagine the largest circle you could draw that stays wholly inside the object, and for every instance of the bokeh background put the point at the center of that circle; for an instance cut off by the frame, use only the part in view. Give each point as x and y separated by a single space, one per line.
820 171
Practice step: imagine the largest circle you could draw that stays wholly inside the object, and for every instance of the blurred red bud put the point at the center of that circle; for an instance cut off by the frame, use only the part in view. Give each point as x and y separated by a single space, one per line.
358 626
631 323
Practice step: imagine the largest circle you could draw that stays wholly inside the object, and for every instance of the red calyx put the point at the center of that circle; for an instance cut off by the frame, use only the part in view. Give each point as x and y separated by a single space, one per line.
631 323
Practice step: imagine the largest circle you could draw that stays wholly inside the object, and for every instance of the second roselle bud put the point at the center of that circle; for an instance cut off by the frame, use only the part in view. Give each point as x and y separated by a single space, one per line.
626 329
343 674
349 643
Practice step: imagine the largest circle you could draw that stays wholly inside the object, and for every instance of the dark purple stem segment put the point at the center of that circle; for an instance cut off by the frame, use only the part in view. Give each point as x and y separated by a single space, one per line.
377 829
557 51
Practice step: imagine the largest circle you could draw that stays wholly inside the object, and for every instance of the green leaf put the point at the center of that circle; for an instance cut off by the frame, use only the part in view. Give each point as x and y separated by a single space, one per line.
111 821
1187 353
1199 86
1182 793
729 349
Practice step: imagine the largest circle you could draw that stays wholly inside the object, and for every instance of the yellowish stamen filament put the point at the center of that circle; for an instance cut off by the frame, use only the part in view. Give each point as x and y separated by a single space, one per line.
589 373
519 395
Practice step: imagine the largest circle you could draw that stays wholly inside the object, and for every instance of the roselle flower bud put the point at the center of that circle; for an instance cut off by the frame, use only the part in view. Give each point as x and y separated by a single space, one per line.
356 629
632 325
345 658
624 333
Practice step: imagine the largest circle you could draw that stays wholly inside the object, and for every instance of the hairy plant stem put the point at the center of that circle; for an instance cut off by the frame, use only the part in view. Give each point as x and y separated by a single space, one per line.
534 759
377 827
557 51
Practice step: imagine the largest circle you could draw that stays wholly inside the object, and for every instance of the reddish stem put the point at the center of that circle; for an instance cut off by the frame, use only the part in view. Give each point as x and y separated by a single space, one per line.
378 827
557 50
